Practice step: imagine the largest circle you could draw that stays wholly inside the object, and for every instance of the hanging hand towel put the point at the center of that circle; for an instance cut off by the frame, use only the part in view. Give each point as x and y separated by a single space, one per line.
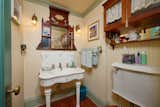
95 56
89 57
83 57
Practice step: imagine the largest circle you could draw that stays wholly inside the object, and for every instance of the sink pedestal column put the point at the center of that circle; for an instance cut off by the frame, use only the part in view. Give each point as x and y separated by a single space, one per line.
78 93
48 97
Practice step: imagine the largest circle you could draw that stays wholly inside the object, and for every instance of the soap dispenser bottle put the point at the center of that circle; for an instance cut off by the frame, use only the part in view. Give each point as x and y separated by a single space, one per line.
143 58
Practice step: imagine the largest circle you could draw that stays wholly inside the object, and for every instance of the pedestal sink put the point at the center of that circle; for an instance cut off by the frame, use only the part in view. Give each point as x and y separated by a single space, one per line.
51 77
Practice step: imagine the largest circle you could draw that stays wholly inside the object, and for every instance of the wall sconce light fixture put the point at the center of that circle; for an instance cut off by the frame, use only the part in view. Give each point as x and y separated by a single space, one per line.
34 19
78 28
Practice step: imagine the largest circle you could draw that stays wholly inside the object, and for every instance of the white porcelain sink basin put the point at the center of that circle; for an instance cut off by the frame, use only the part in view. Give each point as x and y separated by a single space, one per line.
59 73
51 77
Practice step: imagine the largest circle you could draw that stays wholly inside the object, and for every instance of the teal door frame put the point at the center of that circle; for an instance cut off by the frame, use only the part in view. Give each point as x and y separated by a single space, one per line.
5 50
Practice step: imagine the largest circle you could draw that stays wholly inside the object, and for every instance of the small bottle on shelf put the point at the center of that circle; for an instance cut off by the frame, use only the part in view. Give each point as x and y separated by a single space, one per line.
138 58
143 58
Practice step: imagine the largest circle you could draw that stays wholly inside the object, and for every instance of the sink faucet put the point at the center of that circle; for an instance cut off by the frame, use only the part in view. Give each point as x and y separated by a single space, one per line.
60 66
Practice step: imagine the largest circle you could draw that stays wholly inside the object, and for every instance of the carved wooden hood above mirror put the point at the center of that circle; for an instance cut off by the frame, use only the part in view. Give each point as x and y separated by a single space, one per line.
58 17
57 34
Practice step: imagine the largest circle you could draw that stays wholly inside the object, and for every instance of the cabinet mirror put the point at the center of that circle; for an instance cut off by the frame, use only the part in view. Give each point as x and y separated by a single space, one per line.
57 34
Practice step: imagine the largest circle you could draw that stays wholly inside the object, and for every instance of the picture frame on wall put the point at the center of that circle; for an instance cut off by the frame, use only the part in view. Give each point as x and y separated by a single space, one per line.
93 31
16 11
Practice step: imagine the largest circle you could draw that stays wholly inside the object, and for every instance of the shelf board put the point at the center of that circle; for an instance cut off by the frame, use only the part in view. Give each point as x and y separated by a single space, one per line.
54 49
138 41
150 70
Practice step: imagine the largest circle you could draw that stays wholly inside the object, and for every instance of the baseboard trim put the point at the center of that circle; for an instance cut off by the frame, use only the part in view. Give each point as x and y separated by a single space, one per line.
95 99
40 100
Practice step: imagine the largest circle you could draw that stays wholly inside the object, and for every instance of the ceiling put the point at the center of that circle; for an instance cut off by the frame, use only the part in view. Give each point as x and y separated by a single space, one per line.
78 7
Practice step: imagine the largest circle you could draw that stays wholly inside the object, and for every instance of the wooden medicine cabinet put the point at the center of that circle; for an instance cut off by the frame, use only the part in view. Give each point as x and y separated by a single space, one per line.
114 15
141 16
57 34
143 13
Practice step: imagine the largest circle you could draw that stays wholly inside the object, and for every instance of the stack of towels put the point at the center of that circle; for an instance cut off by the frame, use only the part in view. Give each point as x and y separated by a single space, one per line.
89 57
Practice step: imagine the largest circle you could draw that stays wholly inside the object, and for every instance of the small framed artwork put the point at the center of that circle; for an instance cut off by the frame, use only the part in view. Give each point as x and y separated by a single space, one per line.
16 11
93 31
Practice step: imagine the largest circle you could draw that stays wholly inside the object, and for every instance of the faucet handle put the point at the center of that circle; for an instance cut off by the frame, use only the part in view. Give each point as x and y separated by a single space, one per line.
53 66
67 65
59 64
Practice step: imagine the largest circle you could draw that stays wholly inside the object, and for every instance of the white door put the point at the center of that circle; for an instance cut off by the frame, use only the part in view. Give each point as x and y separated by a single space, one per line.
17 64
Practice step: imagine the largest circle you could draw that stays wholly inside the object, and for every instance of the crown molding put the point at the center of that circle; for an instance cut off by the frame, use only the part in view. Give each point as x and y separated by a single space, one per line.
94 5
46 3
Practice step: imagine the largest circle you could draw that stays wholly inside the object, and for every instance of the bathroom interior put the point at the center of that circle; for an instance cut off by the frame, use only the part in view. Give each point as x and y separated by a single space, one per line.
82 53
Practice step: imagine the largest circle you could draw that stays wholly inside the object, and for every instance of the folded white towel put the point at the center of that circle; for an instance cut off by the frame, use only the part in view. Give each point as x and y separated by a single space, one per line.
95 56
83 57
89 57
89 61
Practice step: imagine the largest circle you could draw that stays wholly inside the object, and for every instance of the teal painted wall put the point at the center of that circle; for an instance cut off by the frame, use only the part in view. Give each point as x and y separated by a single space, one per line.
2 32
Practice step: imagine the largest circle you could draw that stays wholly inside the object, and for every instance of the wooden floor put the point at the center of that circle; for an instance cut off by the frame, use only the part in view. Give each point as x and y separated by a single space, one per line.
71 102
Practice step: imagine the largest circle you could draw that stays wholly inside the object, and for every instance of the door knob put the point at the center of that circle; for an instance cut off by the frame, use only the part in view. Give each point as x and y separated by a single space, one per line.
16 90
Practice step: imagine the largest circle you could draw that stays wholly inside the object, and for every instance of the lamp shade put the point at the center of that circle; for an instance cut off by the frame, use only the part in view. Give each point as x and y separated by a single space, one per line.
34 19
